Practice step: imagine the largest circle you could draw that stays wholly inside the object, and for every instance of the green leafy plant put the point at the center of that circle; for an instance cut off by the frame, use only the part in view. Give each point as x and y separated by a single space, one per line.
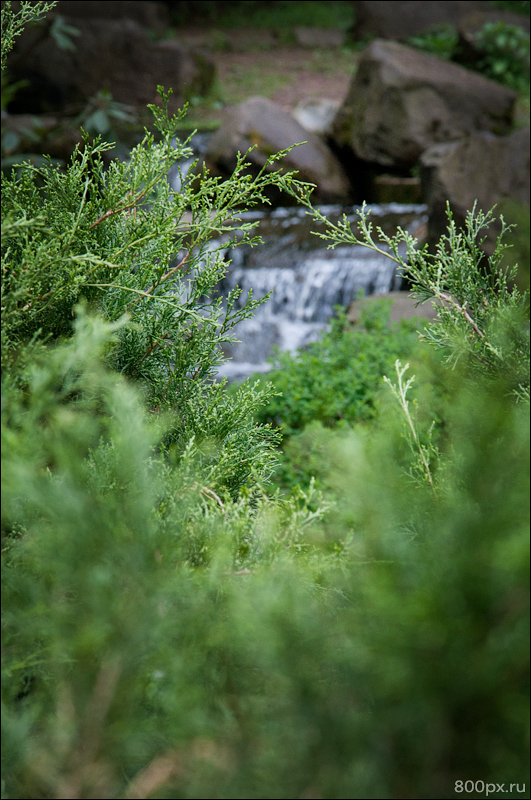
62 33
506 58
333 383
440 41
102 112
336 378
503 51
477 296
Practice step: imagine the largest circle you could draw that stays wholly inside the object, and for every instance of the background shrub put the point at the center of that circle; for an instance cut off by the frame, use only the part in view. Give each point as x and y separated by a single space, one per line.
336 378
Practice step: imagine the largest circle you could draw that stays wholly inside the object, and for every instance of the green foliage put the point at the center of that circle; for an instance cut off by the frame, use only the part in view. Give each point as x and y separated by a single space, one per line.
100 530
483 321
278 14
483 314
336 378
390 662
333 383
506 58
169 629
448 558
421 468
13 23
440 41
62 33
503 49
102 112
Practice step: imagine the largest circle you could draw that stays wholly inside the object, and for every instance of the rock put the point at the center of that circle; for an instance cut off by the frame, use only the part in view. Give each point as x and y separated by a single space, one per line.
474 21
392 20
149 14
260 122
316 115
402 101
320 37
402 307
469 53
112 54
483 167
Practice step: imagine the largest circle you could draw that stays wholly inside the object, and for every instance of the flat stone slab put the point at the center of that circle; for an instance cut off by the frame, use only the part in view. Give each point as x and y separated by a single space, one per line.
402 307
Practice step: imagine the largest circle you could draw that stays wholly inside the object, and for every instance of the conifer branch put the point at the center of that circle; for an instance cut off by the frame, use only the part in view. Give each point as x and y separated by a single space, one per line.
170 273
462 310
151 349
400 392
164 300
119 210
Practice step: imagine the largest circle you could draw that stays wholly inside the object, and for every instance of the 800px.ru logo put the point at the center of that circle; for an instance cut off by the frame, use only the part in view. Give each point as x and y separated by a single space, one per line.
488 788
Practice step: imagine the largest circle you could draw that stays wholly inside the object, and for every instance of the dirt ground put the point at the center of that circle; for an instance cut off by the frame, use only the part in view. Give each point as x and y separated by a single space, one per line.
254 62
301 73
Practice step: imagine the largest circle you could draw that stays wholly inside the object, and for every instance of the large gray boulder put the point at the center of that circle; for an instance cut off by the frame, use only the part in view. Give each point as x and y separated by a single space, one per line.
148 13
487 168
402 101
112 54
392 20
262 123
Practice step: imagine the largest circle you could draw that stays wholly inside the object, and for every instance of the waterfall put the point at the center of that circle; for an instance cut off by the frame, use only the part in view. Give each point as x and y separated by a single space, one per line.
307 280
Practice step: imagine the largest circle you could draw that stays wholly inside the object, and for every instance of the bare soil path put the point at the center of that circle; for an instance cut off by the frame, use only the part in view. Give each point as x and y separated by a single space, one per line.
256 62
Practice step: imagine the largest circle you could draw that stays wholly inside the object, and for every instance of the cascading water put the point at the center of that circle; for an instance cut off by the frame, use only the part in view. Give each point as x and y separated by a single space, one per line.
306 280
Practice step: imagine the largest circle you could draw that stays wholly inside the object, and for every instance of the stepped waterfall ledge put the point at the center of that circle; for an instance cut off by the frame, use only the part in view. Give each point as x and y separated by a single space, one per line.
305 281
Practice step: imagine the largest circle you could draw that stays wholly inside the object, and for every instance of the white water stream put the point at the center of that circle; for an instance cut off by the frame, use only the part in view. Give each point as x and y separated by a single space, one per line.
306 279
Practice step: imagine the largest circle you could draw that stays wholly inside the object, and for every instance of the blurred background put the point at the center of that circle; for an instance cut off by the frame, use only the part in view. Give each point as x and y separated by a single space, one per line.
407 106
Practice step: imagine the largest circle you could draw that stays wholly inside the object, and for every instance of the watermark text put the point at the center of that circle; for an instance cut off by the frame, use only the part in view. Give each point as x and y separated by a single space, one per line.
480 787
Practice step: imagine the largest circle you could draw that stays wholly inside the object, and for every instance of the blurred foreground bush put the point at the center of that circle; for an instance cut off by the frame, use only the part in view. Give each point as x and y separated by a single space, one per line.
380 652
172 630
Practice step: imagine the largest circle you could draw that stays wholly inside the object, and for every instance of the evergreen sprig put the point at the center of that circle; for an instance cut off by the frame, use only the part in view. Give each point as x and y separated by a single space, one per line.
13 23
483 316
124 241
